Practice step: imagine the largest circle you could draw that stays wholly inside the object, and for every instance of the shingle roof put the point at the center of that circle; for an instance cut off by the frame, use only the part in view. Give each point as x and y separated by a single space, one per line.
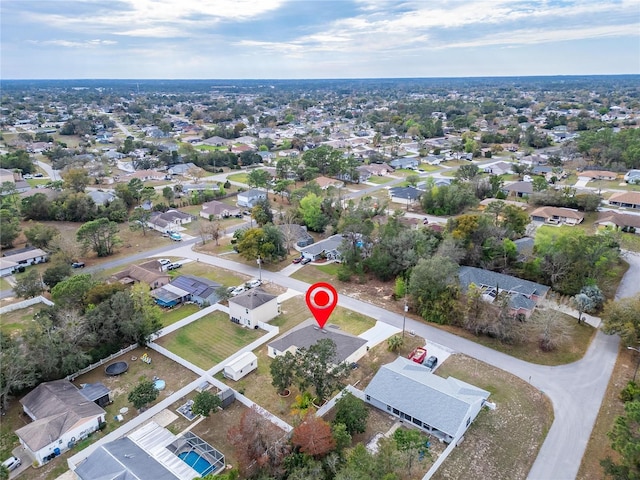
414 390
408 193
619 219
307 334
328 244
253 298
626 197
122 459
548 212
57 407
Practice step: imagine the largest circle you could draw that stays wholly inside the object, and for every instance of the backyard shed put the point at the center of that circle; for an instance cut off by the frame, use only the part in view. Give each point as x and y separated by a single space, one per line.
241 366
97 393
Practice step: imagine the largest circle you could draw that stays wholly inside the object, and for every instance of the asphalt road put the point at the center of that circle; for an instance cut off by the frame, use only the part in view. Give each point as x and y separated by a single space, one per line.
575 390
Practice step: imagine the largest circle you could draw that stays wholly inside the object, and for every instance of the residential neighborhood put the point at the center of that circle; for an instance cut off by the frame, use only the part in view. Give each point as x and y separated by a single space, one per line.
157 246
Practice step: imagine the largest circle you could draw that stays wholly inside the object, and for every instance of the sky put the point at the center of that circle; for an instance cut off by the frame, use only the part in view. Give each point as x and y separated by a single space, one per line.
293 39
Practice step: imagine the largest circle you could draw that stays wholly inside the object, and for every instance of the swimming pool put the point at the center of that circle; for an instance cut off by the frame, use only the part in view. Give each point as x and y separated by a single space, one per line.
198 463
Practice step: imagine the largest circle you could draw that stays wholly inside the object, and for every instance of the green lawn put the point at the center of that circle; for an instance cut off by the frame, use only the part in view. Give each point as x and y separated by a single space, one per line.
238 177
220 275
16 321
209 340
379 180
178 313
425 167
4 285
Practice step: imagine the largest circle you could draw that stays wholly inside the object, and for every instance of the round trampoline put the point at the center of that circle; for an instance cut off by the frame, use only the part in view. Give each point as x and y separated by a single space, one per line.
117 368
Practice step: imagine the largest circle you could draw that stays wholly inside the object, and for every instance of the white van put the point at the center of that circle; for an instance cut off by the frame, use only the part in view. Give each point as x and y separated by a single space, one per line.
12 463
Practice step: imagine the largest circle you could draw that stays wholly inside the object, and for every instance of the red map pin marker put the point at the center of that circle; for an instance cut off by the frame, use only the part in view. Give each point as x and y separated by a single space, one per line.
322 298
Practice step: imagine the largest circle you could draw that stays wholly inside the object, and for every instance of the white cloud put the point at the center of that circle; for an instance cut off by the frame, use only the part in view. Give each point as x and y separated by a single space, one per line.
74 44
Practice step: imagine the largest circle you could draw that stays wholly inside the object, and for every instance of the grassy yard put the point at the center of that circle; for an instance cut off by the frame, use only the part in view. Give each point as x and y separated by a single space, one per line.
4 284
501 443
220 275
238 177
379 180
14 322
170 317
209 340
425 167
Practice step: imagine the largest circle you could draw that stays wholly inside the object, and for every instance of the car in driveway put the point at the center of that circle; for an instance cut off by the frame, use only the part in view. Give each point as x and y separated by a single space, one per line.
418 355
238 290
12 463
173 266
431 362
297 259
77 265
304 261
164 261
253 283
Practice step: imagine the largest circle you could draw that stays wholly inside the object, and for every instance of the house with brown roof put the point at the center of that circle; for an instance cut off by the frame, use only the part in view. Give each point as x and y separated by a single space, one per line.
144 175
326 182
626 200
216 209
623 221
154 277
557 216
61 416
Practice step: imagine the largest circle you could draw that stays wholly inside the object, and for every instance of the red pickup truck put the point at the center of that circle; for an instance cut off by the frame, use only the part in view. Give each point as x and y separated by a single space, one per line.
418 355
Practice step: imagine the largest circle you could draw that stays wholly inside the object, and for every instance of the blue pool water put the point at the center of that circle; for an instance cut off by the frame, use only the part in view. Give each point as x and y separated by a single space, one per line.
196 462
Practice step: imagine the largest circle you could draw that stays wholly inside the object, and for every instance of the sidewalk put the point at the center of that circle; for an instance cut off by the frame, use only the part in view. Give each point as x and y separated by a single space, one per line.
586 318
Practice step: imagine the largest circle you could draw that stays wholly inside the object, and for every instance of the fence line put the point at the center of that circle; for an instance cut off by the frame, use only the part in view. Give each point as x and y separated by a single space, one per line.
25 304
73 376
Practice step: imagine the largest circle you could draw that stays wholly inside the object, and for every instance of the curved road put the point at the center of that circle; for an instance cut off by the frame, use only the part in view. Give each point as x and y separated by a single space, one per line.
575 390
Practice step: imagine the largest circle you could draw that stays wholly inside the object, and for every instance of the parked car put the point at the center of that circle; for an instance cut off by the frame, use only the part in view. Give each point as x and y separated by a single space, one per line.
304 261
12 463
77 265
418 355
253 283
297 259
38 175
164 261
173 266
238 290
176 237
431 362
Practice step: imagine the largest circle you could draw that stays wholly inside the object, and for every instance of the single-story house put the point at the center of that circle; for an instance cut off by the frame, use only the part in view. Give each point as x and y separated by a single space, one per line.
598 175
524 294
632 176
557 215
61 416
380 169
216 209
152 452
410 163
328 248
102 198
625 221
189 188
201 290
216 141
7 267
518 189
241 366
296 234
181 168
171 220
349 348
155 278
444 407
498 168
326 182
26 256
250 198
626 200
144 175
253 307
404 195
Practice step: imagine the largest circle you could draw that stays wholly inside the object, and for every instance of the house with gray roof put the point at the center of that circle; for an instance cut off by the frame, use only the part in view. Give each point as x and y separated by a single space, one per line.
405 162
349 348
250 198
518 189
61 416
524 294
328 248
253 307
404 195
444 407
169 221
186 288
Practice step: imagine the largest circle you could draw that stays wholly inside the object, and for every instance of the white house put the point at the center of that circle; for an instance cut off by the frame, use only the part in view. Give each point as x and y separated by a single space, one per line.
241 366
444 407
7 267
171 220
216 209
62 416
250 198
26 256
253 307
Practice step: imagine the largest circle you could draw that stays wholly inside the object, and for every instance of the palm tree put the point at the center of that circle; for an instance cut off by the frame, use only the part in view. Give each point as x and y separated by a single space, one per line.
394 343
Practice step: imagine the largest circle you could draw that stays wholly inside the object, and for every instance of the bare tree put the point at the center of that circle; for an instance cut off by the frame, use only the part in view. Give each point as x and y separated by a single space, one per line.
211 230
548 327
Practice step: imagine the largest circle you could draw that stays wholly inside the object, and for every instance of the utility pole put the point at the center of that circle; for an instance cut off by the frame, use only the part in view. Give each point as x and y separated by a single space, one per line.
637 365
260 267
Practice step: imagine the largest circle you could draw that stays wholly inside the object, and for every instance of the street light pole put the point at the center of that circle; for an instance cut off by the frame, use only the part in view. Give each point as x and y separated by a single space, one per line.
404 314
638 364
260 267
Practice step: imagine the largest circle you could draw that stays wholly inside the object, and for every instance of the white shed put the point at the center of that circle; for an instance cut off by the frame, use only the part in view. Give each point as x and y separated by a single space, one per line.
241 366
